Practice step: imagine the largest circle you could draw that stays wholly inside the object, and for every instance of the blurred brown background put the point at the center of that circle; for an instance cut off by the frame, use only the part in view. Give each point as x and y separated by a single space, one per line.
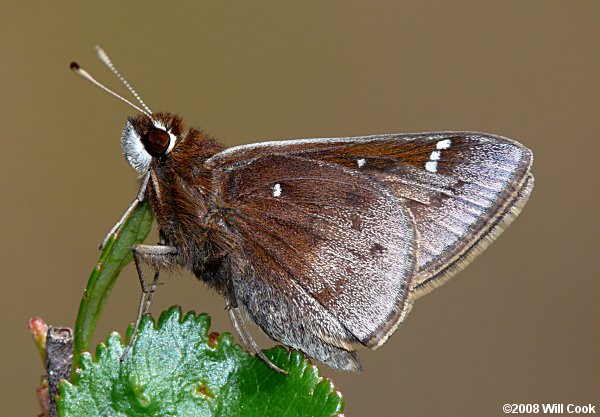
520 325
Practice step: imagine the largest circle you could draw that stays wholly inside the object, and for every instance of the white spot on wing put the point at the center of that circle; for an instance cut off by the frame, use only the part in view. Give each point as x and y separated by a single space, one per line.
443 144
431 166
277 190
361 162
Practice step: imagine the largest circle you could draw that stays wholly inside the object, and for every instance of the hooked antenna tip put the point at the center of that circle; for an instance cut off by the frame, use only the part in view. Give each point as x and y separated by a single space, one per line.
104 57
101 52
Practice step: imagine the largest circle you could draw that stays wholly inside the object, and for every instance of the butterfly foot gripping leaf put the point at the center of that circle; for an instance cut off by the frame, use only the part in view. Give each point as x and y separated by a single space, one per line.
180 369
325 243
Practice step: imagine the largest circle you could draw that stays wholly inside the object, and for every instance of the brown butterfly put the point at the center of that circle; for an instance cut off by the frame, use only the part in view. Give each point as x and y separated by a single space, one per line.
325 243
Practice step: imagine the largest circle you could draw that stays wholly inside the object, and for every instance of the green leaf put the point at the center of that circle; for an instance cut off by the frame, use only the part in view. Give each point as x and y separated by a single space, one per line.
116 254
178 369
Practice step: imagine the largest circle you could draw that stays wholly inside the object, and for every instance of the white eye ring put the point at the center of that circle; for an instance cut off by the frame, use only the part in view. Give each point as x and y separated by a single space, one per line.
157 124
133 147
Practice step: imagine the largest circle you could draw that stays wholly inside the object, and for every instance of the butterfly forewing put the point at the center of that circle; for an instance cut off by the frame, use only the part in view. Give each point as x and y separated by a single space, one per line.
479 184
317 229
462 188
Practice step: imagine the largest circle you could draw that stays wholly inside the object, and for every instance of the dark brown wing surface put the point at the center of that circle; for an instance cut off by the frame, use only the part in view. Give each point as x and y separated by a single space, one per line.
324 255
462 188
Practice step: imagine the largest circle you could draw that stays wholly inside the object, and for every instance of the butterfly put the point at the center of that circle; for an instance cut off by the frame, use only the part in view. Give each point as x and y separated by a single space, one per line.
325 243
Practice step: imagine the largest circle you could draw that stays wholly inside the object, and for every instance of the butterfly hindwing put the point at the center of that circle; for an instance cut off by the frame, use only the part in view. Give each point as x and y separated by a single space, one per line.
324 255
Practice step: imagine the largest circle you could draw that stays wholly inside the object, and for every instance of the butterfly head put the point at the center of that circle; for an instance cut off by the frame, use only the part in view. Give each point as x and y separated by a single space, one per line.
146 138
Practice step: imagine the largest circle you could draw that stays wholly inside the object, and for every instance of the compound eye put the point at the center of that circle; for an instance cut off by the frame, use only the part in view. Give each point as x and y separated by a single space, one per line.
157 142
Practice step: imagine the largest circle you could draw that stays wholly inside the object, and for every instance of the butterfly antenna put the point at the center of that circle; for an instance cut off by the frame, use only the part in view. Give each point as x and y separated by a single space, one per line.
84 74
108 62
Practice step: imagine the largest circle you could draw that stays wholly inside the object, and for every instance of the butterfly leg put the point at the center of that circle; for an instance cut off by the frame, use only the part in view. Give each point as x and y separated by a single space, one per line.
138 199
159 257
240 327
144 305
